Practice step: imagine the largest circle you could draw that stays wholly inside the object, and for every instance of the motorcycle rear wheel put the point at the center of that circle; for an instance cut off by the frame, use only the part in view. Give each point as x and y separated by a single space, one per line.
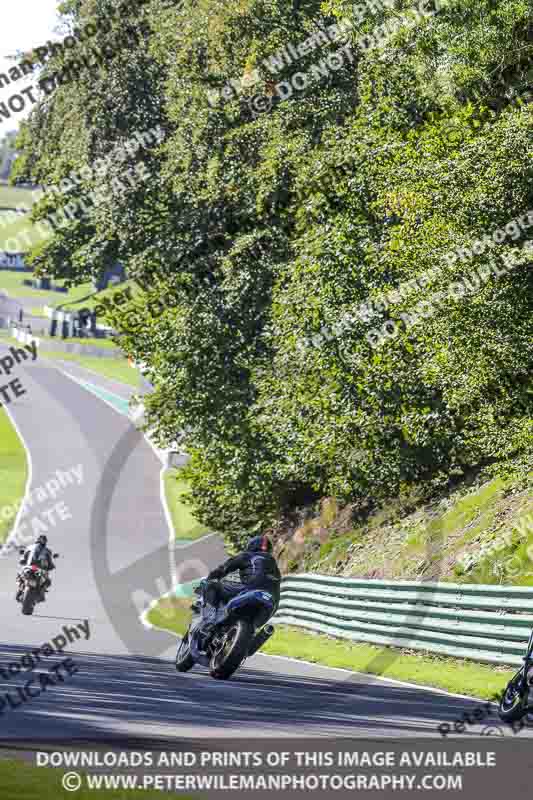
260 639
230 656
513 703
184 660
28 601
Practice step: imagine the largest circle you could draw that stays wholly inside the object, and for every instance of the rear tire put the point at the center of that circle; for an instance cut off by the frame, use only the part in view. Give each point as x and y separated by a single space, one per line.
235 649
513 703
28 601
184 660
260 639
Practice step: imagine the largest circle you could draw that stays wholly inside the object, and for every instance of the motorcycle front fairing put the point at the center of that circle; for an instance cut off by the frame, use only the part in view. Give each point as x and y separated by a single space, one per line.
195 633
200 656
32 575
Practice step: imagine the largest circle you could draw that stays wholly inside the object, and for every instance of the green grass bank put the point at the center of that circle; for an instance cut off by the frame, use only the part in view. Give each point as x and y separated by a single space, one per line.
14 472
20 780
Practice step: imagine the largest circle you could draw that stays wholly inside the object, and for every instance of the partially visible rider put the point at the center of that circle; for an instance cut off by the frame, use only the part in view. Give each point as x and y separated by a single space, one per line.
39 554
258 570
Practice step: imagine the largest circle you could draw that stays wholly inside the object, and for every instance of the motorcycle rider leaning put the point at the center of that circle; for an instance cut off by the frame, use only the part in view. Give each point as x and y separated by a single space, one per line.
258 570
40 555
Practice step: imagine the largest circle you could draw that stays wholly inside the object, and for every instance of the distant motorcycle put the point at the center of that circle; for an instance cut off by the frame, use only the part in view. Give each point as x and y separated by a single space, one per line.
224 645
31 583
515 701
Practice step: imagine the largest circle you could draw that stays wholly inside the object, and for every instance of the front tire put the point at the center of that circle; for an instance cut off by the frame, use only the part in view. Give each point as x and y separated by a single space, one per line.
184 659
28 601
514 702
230 656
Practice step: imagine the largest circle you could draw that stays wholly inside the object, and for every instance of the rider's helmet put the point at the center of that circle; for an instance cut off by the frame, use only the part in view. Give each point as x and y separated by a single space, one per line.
42 540
259 544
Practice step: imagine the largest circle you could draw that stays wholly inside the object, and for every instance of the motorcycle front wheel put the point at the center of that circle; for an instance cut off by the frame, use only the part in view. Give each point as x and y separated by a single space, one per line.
28 601
233 650
514 702
184 660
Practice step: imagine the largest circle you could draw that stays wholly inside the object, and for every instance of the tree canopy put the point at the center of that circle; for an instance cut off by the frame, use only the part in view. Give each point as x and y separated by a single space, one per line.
296 185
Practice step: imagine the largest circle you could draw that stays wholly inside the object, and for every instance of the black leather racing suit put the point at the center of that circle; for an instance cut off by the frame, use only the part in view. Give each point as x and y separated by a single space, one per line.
257 570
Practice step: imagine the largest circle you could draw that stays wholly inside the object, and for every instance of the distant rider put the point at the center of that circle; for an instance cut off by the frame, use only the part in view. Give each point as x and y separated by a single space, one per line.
258 570
40 555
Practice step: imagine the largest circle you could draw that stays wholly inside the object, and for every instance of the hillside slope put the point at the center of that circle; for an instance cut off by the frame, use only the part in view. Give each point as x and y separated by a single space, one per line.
480 532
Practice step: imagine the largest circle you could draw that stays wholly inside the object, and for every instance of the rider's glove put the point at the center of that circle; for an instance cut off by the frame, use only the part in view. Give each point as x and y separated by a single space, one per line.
215 574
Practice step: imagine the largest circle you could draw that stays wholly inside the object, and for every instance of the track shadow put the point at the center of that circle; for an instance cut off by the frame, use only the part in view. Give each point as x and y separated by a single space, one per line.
62 618
145 699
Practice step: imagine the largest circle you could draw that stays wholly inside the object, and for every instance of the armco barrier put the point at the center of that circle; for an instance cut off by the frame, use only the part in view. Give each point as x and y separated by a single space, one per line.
484 623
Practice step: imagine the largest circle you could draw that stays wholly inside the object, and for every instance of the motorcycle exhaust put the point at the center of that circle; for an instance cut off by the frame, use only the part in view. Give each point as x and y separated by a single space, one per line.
261 638
267 632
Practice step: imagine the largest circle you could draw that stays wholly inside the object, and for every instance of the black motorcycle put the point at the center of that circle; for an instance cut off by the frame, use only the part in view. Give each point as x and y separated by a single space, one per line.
514 704
238 632
32 581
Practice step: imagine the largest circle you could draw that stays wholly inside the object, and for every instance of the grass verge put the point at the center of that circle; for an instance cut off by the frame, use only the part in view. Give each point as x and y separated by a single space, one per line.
13 224
185 525
103 344
453 675
13 196
172 614
108 293
21 232
26 782
12 282
13 469
115 369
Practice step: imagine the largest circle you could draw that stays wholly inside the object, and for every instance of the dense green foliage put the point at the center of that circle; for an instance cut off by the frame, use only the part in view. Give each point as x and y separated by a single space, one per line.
257 231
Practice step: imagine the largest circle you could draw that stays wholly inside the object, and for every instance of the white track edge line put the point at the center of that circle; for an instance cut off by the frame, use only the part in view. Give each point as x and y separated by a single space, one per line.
99 375
12 532
379 678
368 675
80 383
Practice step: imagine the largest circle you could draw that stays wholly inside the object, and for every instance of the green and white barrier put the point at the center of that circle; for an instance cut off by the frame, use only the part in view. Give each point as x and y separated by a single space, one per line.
479 622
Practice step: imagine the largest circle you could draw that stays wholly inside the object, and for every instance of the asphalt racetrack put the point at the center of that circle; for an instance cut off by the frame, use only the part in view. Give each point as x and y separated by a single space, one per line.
114 559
